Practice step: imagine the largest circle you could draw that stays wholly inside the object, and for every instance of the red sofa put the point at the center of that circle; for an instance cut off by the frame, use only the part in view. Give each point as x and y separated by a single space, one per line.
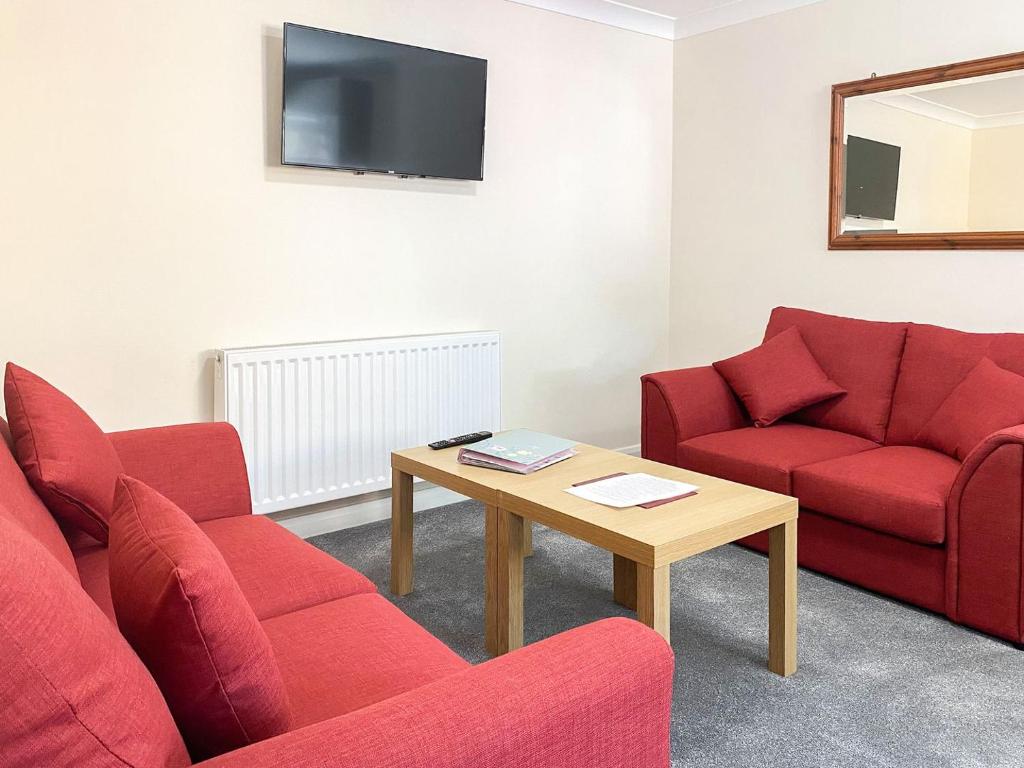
367 685
878 509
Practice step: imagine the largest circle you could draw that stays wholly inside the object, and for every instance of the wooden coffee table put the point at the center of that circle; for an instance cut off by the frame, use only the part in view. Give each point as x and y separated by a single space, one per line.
644 542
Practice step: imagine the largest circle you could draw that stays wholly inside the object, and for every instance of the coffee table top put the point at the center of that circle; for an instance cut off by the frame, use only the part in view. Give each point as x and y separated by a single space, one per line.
721 512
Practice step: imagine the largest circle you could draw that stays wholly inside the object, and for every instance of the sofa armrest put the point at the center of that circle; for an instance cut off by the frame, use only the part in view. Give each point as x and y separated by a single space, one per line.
679 405
200 467
597 696
984 535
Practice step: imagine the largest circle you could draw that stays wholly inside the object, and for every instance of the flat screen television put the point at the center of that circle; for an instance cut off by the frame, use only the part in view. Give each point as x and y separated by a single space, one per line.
358 104
872 178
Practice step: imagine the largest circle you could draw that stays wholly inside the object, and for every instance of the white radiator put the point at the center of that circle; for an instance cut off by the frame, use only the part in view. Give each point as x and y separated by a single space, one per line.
319 421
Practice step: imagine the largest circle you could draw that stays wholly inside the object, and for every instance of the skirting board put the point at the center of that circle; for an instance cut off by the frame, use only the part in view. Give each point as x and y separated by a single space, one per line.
361 510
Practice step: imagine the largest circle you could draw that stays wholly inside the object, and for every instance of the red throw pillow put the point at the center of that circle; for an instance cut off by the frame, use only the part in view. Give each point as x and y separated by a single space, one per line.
66 457
73 692
989 398
181 609
777 378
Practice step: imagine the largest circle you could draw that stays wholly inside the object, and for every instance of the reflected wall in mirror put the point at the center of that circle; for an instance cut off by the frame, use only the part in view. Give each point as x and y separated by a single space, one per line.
930 159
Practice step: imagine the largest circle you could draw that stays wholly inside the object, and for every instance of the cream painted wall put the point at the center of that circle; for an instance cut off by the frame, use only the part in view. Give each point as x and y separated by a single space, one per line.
144 220
935 164
751 169
997 179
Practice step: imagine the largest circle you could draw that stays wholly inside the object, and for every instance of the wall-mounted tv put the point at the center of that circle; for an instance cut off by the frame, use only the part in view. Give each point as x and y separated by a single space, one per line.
872 178
358 104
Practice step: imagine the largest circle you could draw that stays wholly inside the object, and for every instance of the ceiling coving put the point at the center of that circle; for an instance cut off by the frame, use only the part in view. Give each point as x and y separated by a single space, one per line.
670 19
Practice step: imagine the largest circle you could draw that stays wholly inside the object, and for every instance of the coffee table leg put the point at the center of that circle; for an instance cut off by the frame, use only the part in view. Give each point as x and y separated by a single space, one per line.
527 537
401 533
652 598
503 594
782 599
624 581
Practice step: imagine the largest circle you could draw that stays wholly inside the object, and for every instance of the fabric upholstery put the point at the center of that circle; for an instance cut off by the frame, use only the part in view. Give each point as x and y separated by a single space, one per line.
936 360
678 405
78 540
598 696
340 656
19 503
286 575
178 605
899 490
276 570
886 564
985 575
989 399
777 378
65 456
200 467
766 457
94 574
73 692
861 356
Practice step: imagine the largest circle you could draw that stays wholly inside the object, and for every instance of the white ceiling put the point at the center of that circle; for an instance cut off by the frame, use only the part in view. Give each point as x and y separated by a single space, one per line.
671 19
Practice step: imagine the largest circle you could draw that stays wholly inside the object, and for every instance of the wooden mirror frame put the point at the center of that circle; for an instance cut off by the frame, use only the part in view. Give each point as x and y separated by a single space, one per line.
837 239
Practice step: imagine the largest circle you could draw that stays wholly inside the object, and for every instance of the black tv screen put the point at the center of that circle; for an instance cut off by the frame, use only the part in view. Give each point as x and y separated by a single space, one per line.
360 104
872 178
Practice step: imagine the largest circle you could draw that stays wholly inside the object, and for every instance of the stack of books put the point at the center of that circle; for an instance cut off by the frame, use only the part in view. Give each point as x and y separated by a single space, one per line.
518 450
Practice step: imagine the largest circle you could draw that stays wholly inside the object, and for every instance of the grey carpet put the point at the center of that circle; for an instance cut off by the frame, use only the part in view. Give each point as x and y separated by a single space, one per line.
879 684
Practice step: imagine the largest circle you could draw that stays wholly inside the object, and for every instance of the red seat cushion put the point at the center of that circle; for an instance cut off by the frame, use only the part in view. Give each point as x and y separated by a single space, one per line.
989 399
181 610
765 457
861 356
73 692
63 453
899 490
340 656
777 378
277 571
936 360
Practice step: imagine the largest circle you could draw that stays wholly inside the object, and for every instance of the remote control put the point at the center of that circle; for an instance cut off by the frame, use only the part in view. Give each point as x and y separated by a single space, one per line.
473 437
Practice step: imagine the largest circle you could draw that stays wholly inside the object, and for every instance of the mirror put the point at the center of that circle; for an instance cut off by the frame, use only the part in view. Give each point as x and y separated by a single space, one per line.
930 159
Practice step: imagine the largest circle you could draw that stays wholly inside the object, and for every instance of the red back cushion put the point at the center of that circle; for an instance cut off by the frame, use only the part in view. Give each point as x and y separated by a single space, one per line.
936 360
181 609
989 399
777 378
73 692
861 356
63 453
21 505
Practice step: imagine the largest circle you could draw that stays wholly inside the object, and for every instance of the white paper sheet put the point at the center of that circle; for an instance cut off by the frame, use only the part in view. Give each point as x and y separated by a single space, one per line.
630 490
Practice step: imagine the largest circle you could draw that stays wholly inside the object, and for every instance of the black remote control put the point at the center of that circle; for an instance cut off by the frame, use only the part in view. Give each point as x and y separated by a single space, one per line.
472 437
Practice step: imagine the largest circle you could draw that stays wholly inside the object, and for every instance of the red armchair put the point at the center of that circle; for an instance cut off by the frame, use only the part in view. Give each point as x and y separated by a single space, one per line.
879 509
367 684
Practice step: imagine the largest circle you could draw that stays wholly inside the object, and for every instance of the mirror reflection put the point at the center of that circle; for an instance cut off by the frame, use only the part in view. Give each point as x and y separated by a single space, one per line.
947 157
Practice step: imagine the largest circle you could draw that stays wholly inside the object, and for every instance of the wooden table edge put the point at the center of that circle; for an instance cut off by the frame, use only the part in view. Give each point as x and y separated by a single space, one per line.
713 538
482 493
